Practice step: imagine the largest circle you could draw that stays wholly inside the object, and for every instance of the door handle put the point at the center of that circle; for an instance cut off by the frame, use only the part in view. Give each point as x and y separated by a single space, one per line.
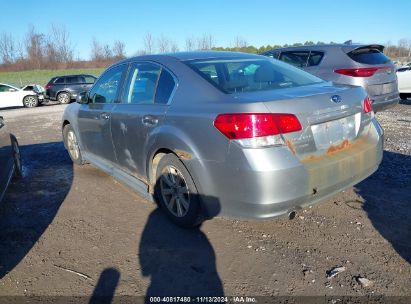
105 115
149 120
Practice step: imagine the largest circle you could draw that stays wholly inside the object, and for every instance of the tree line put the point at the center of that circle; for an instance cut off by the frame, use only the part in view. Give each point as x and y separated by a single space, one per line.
54 50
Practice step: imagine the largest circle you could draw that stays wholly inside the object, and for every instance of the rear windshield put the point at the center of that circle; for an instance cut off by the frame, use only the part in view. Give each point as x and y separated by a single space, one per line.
250 75
368 56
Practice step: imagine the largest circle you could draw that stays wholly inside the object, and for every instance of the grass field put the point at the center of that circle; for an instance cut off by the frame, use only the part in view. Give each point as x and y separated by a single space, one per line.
41 77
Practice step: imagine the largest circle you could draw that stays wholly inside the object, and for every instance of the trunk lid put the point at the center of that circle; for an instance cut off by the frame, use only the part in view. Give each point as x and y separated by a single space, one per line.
332 117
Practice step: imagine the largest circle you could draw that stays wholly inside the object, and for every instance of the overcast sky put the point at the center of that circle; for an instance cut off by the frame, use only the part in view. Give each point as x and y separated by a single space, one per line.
258 22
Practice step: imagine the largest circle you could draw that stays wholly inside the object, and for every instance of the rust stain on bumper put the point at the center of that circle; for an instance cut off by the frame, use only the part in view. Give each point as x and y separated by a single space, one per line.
333 149
290 145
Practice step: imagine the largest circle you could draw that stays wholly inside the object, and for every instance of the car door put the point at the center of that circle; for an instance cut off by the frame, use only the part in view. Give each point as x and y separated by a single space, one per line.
10 97
144 102
94 118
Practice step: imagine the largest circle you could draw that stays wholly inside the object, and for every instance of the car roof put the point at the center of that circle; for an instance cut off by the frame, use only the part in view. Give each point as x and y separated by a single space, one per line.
73 75
9 85
323 47
183 56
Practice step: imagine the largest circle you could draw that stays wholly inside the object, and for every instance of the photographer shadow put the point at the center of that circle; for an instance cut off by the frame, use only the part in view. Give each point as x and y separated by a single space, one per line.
179 262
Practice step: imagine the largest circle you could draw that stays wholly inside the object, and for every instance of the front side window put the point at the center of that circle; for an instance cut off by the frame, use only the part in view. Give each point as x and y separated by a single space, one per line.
4 88
252 74
141 83
105 90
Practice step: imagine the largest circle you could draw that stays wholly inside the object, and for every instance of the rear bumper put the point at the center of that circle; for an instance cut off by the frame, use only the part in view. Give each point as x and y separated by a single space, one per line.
271 182
383 102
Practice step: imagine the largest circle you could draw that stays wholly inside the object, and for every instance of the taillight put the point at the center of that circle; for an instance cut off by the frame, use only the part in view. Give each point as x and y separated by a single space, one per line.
360 72
256 129
48 86
367 105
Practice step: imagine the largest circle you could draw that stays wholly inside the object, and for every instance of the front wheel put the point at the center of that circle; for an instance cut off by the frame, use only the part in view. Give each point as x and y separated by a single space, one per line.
30 101
63 98
176 193
72 146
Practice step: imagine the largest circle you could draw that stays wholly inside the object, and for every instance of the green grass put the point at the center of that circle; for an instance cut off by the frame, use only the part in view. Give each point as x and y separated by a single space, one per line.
41 77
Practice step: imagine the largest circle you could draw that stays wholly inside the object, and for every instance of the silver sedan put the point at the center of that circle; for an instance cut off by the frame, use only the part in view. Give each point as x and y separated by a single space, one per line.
219 133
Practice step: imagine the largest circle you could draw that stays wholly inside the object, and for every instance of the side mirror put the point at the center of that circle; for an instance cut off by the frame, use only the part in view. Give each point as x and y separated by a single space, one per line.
82 98
12 90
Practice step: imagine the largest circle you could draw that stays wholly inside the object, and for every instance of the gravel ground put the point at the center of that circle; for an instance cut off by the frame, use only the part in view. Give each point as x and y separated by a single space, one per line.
68 230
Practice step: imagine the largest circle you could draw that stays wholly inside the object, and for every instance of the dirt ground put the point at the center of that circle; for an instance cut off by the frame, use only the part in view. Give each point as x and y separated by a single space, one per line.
69 230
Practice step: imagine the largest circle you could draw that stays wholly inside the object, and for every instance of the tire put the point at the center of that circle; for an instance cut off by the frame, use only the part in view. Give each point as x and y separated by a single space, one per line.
72 146
18 167
176 193
63 98
30 101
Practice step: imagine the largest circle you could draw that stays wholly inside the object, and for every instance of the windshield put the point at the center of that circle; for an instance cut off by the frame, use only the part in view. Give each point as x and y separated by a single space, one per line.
250 75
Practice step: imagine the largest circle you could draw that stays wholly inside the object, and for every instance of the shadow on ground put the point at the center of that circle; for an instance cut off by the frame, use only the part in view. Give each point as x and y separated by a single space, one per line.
406 101
178 261
106 287
387 196
32 202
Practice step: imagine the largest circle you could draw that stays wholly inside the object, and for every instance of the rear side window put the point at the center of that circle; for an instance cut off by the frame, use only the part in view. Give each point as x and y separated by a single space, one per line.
165 87
298 59
73 79
315 58
141 83
368 56
59 80
89 79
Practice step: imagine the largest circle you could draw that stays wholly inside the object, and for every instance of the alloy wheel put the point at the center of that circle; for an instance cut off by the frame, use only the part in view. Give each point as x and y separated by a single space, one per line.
63 98
30 101
72 145
174 191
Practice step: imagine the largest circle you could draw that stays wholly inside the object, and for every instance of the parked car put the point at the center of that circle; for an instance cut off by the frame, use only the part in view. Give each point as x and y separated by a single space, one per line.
66 88
11 96
355 64
38 89
404 82
407 65
261 139
10 160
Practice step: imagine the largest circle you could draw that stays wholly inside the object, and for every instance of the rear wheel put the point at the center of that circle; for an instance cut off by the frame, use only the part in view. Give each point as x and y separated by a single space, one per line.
72 146
63 98
176 193
18 168
30 101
